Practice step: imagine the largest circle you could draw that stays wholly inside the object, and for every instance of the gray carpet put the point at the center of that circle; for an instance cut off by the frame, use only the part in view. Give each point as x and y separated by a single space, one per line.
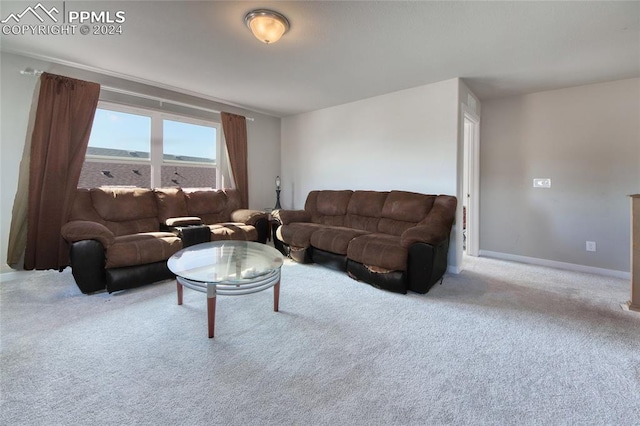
501 344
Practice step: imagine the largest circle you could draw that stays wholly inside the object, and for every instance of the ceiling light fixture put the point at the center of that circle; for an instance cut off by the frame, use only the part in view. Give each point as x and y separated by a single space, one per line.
268 26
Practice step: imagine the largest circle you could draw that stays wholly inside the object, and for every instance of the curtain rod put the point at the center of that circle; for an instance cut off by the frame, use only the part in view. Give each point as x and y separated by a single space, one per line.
33 72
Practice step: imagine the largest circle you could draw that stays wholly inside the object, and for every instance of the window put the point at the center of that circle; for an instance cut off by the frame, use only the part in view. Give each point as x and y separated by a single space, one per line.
119 150
189 157
145 148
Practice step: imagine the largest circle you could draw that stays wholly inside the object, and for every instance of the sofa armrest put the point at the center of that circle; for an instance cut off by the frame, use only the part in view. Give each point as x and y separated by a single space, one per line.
192 234
433 235
286 217
250 217
87 265
78 230
436 226
183 221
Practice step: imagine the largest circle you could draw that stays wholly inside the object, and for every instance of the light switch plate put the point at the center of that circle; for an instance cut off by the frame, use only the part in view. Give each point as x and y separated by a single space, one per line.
542 183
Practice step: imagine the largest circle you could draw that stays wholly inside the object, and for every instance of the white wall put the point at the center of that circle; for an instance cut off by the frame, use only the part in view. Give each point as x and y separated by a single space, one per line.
17 91
587 141
406 140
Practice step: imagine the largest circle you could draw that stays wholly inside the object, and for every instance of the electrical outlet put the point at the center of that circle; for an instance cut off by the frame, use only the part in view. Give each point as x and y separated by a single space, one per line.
542 183
591 246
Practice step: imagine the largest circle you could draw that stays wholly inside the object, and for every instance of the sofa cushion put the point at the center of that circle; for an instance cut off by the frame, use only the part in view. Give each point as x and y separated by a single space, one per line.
233 231
126 210
82 208
124 204
142 248
234 200
402 210
407 206
171 203
328 207
367 203
365 209
394 227
334 239
381 251
133 226
297 234
333 203
210 206
205 202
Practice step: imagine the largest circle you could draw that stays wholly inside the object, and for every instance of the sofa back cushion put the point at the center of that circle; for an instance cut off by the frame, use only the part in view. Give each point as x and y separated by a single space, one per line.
211 206
234 200
365 209
402 210
82 208
126 210
171 203
328 207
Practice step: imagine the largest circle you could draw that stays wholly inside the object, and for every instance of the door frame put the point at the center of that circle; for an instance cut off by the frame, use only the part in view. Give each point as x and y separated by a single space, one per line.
472 168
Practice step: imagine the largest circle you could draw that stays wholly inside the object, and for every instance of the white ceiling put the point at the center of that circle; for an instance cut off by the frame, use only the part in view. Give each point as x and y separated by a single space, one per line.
340 51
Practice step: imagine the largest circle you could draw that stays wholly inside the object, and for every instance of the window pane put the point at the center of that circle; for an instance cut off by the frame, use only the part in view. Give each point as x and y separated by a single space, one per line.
188 177
188 142
120 135
95 174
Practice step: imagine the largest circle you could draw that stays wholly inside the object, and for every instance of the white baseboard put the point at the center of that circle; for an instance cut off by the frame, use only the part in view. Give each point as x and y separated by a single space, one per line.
556 264
453 269
10 275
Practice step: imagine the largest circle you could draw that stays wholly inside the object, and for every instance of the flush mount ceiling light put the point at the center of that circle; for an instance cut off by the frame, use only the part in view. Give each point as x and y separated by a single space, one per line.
268 26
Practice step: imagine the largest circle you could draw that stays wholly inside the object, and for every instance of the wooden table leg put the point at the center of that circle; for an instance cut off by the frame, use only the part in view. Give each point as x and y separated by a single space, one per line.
211 308
211 315
276 296
179 287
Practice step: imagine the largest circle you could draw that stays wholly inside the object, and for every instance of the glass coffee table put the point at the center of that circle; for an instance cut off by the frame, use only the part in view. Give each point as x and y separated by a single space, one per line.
227 268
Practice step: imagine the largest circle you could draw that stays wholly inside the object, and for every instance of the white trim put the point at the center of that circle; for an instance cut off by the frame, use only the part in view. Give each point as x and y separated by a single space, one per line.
156 148
555 264
131 78
189 164
470 114
118 160
162 100
453 269
473 219
10 276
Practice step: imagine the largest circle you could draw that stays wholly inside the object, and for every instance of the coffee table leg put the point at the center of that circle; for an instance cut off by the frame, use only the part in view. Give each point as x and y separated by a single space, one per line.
211 308
276 296
179 287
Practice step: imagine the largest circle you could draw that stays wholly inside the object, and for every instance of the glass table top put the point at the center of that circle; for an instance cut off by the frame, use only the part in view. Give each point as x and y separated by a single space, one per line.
225 261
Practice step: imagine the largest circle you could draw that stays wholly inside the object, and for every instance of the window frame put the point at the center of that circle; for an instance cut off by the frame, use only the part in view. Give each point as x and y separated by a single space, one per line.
156 144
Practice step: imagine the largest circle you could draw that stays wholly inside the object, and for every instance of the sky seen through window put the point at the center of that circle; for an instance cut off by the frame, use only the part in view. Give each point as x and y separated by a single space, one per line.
132 132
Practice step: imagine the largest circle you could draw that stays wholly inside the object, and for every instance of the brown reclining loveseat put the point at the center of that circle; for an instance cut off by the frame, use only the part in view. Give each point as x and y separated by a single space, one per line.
393 240
122 237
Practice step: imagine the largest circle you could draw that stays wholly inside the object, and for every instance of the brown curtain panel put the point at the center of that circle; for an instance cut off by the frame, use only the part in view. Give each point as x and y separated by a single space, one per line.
235 133
64 117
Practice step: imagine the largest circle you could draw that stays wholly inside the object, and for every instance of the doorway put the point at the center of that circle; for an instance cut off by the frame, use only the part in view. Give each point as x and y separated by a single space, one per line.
471 184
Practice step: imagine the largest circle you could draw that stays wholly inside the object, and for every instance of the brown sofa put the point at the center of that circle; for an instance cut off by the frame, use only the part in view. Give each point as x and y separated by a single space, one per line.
393 240
122 237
